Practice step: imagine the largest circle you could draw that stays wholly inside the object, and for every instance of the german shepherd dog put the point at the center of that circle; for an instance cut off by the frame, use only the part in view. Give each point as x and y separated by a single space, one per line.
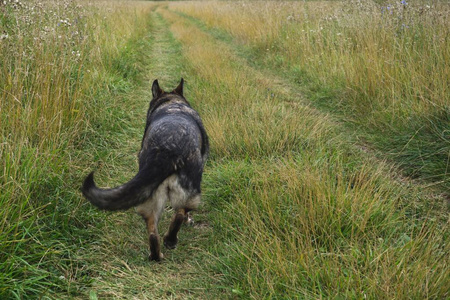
171 160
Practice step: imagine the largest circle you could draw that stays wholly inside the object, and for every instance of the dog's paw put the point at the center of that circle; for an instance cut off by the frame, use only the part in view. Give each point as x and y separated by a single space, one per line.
156 257
170 243
189 221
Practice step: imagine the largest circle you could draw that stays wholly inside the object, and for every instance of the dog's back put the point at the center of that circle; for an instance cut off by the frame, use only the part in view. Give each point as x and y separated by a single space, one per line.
178 142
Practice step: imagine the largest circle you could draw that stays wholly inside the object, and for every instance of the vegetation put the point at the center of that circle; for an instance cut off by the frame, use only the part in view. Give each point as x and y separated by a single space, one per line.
65 62
384 67
302 103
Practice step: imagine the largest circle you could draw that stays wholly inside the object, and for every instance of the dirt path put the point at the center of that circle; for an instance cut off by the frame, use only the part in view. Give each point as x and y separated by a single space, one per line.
276 165
120 258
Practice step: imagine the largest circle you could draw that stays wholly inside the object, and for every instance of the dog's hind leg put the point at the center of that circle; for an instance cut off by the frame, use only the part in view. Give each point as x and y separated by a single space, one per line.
150 212
181 216
171 239
153 237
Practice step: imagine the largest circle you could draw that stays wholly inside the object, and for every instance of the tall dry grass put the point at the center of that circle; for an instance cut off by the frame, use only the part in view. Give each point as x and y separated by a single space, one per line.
297 211
385 67
396 55
265 124
59 60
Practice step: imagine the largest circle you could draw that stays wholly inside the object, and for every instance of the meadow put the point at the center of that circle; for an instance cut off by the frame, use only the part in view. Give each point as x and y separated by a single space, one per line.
329 126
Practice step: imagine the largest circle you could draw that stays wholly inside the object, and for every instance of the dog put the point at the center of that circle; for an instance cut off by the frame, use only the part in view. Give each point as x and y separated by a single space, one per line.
173 154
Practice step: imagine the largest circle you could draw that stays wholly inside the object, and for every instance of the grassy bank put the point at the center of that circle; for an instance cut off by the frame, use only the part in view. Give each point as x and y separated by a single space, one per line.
297 209
384 68
60 62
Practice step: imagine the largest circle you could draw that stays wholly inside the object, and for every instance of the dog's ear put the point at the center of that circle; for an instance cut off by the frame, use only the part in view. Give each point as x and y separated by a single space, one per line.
179 89
156 90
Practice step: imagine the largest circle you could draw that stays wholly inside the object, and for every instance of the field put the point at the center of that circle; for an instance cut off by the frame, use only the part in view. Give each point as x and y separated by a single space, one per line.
329 124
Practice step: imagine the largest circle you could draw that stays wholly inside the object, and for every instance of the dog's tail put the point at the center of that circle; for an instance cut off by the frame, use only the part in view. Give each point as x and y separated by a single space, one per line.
132 193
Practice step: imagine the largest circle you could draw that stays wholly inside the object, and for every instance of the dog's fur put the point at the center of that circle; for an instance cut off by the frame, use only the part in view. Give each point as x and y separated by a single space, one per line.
173 154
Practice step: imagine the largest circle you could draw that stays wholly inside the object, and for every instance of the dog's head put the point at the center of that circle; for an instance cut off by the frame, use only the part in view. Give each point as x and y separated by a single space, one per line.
159 94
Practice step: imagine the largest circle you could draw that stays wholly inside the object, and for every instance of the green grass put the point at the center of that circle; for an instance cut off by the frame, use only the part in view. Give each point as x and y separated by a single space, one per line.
311 215
48 97
297 204
384 72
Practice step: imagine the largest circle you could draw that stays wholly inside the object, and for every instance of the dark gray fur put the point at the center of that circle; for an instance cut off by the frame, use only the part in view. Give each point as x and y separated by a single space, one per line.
174 142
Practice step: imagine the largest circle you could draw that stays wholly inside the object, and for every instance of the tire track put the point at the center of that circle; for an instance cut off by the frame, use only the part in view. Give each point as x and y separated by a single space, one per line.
122 266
